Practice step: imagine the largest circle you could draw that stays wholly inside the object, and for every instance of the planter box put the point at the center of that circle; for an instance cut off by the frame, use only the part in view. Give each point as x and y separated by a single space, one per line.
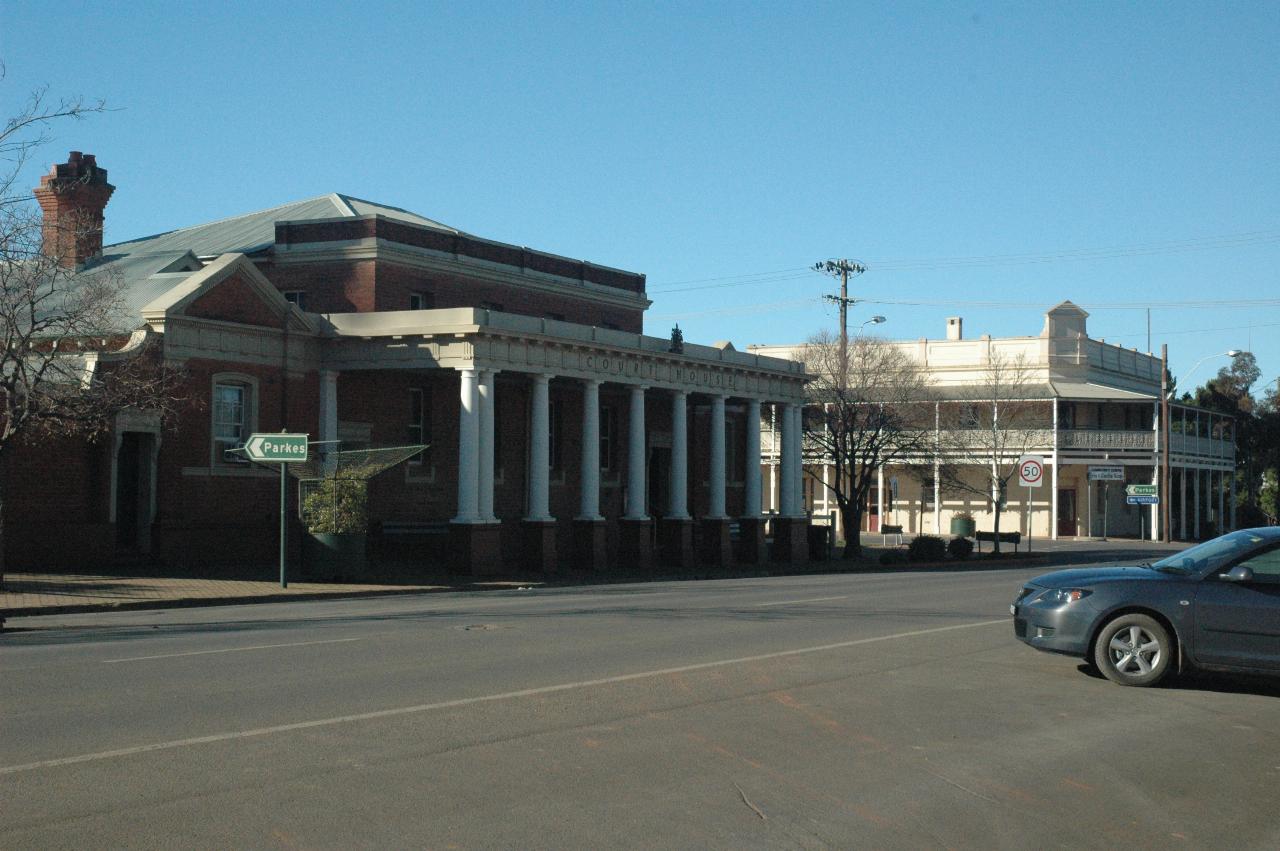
962 527
331 557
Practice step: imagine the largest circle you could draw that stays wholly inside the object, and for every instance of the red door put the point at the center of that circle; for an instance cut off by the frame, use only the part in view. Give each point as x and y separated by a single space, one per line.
1067 513
873 510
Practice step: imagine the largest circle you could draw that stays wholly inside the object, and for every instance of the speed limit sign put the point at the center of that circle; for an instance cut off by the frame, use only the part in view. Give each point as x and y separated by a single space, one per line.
1031 471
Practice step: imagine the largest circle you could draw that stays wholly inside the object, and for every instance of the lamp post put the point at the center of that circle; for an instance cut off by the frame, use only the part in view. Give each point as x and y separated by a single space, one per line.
1229 353
875 320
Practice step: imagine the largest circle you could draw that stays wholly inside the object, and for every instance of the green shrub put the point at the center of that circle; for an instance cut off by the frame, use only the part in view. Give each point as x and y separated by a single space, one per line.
336 506
892 557
927 548
960 548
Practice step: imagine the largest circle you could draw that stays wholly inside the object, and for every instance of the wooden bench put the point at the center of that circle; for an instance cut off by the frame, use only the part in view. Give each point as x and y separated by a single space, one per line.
1014 538
886 530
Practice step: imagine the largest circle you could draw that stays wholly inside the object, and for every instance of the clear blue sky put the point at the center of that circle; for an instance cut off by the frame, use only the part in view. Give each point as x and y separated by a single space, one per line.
695 141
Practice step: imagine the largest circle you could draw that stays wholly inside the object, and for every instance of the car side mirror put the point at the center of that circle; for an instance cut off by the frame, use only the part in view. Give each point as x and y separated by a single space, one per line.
1239 573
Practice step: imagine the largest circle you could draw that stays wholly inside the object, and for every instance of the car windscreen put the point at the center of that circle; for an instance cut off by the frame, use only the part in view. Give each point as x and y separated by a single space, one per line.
1211 555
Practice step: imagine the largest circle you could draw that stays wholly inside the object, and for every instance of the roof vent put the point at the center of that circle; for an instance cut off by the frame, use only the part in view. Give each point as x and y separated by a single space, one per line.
955 328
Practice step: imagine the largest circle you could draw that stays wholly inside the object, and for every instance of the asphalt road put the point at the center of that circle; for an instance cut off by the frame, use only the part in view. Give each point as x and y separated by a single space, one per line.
885 710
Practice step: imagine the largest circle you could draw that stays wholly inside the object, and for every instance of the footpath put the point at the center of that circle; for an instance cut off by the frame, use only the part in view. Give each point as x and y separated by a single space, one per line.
28 594
31 594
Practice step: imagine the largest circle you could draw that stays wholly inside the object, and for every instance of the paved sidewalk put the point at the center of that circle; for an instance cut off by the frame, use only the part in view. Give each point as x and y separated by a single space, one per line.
27 594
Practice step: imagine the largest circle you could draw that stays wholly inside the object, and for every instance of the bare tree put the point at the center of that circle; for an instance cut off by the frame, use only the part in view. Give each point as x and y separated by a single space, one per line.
70 359
864 410
1002 416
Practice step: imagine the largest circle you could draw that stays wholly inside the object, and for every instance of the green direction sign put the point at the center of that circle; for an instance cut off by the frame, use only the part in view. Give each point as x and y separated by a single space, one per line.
278 448
1141 490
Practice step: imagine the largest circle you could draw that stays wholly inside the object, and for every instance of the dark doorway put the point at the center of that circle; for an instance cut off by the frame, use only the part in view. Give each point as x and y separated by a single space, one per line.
873 509
1067 512
659 481
128 489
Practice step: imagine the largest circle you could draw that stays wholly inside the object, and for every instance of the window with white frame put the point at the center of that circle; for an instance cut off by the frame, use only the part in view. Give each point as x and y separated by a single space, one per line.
419 428
297 297
422 301
232 419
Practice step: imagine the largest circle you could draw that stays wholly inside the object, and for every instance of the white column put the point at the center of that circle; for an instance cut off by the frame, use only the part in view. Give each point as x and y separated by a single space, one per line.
539 494
798 429
328 408
678 508
1155 472
468 449
589 502
775 463
1232 528
1053 495
328 431
790 463
1196 496
880 497
786 480
751 489
486 397
636 471
937 469
715 479
1182 503
1221 492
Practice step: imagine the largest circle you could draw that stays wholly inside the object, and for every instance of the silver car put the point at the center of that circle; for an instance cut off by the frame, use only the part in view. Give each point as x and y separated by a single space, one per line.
1214 606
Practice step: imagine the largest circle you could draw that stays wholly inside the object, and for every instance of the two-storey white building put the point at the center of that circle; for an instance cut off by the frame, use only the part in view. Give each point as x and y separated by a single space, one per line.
1100 405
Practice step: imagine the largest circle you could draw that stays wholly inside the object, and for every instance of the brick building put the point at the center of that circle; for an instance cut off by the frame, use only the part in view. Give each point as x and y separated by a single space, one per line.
558 432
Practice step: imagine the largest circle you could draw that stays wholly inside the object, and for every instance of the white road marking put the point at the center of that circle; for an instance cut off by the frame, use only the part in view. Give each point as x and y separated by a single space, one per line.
229 650
470 701
796 602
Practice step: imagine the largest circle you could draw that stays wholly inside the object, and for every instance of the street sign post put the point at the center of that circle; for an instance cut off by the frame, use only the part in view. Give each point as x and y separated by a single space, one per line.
1142 499
282 448
1030 475
1106 473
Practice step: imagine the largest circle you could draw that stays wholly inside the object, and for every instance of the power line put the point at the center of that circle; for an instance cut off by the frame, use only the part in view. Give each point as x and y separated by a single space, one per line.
1202 243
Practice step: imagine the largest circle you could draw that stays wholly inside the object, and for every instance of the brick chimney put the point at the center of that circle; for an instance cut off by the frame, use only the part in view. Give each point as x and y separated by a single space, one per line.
73 195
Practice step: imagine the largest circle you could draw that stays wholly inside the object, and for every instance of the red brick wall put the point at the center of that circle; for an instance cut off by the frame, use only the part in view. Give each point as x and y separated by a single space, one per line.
233 300
361 286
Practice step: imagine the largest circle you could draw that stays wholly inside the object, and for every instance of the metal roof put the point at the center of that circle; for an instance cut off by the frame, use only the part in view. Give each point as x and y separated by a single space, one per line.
253 231
150 266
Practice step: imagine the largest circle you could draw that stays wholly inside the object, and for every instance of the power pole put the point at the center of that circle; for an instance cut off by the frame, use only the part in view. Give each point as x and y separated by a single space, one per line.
841 269
1166 486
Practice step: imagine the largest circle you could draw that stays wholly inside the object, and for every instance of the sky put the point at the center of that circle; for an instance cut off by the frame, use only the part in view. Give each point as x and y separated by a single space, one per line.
981 160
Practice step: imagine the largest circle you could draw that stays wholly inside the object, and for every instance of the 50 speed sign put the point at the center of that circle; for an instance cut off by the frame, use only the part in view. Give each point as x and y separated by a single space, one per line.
1031 471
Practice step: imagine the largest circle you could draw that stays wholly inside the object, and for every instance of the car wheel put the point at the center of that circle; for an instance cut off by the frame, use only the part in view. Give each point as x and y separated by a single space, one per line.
1133 650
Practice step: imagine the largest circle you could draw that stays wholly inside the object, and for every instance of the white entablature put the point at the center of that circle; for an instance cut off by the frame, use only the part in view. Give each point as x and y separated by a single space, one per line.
474 338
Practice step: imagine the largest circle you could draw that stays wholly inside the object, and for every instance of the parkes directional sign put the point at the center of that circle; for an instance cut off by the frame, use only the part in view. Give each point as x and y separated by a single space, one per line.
277 448
1031 471
1141 490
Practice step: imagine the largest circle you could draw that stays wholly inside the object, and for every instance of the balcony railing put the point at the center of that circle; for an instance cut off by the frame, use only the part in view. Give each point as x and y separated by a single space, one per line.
1080 438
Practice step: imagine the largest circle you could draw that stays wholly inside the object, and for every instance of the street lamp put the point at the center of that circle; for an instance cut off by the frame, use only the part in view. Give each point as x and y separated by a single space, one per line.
875 320
1229 353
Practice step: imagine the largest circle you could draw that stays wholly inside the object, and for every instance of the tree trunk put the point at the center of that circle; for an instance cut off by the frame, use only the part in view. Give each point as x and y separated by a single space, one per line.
852 519
996 543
